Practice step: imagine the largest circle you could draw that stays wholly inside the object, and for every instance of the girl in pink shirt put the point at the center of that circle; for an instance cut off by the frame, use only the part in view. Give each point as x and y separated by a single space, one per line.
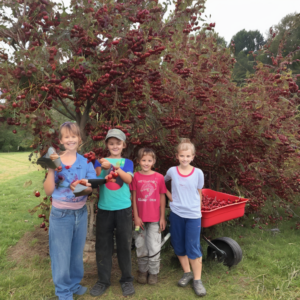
148 201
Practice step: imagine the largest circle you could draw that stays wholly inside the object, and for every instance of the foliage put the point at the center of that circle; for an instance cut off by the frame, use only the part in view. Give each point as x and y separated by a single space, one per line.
120 64
247 41
11 142
287 41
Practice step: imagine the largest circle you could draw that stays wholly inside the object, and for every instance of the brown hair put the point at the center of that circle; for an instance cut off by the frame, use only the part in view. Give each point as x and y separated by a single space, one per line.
146 151
70 127
184 145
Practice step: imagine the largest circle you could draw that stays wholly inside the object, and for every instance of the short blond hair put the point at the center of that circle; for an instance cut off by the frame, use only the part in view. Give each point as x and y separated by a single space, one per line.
146 151
186 144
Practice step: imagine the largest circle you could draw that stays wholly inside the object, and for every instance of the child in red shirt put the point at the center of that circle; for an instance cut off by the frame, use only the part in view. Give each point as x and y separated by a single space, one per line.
148 201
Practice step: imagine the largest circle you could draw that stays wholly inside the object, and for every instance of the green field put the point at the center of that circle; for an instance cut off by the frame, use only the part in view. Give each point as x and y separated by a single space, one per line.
270 267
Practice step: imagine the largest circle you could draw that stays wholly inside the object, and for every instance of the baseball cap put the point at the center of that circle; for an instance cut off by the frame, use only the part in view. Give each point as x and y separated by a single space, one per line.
116 133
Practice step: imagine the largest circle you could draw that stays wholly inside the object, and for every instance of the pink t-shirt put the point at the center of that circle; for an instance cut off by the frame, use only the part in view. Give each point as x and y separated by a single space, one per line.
148 189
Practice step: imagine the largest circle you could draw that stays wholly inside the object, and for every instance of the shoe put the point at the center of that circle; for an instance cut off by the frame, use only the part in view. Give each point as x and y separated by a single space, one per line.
199 288
152 279
98 289
127 288
185 279
142 277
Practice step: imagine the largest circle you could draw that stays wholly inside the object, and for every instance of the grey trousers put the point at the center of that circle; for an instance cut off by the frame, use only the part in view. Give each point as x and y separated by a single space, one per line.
148 243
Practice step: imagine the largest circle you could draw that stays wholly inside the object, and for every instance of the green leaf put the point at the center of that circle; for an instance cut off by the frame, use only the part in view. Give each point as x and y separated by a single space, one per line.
27 184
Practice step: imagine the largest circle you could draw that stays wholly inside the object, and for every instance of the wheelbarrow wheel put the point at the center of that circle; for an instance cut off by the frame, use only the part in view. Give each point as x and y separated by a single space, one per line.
230 247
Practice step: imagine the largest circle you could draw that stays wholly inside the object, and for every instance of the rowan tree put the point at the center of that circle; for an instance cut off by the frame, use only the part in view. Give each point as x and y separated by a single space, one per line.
122 65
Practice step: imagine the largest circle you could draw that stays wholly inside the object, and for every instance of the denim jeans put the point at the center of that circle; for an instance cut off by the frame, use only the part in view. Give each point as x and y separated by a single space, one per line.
106 222
67 234
148 243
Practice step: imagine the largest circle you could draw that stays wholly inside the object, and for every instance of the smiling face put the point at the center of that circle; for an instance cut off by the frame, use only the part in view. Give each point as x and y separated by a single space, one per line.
146 163
185 157
69 139
115 147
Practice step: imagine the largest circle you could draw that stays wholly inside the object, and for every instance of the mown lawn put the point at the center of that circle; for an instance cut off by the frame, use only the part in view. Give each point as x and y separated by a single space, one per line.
269 269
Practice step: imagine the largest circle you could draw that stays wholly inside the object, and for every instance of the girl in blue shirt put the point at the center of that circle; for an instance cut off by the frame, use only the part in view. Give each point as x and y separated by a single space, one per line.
68 217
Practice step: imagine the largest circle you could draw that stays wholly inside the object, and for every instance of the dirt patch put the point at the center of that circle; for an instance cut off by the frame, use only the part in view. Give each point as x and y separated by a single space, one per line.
33 243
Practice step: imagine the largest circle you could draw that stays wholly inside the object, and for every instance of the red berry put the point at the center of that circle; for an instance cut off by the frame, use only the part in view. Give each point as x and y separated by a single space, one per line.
37 194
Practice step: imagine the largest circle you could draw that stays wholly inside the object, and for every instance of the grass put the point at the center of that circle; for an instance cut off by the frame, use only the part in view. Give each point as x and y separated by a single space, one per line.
270 267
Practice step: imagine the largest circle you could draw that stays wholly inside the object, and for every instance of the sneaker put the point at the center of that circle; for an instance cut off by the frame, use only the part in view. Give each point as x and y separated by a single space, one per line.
142 277
98 289
152 279
199 288
185 279
127 288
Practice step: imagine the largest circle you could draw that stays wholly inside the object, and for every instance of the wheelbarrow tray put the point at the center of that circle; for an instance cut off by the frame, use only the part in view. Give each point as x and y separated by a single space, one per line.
225 213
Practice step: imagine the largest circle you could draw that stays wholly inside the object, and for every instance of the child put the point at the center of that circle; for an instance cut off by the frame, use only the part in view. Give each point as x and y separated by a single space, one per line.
185 216
148 201
68 217
114 211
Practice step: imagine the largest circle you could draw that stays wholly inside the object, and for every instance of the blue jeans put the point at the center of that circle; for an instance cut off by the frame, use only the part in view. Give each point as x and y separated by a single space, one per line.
67 234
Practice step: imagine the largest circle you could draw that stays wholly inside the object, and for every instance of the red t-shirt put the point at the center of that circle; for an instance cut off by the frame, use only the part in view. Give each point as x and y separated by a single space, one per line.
148 189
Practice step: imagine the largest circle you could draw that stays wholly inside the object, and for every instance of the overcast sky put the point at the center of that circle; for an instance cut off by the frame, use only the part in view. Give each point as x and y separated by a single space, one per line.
232 16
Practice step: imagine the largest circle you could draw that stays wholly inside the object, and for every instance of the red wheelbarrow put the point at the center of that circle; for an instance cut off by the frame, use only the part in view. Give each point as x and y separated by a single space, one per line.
223 249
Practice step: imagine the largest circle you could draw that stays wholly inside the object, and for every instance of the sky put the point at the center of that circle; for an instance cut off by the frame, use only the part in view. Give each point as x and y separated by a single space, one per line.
232 16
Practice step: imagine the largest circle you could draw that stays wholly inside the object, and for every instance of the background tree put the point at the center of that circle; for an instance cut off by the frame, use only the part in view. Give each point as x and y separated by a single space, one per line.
245 43
287 41
121 65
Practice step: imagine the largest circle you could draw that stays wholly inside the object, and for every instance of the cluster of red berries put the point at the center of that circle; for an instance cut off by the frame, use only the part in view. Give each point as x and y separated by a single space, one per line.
112 175
211 203
90 156
43 224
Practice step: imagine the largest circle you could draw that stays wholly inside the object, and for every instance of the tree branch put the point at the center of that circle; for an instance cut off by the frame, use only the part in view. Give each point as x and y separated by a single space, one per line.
63 113
66 108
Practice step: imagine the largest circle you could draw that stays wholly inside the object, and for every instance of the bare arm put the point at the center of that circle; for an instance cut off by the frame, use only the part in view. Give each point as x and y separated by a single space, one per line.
126 177
200 193
49 183
137 220
98 171
169 195
162 222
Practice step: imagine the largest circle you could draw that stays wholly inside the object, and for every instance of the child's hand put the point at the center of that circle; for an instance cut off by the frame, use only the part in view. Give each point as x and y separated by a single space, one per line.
105 164
58 169
138 222
82 181
110 178
162 224
54 156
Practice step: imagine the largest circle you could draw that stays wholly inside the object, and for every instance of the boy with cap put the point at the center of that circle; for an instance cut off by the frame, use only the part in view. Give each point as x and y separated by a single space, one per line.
114 211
